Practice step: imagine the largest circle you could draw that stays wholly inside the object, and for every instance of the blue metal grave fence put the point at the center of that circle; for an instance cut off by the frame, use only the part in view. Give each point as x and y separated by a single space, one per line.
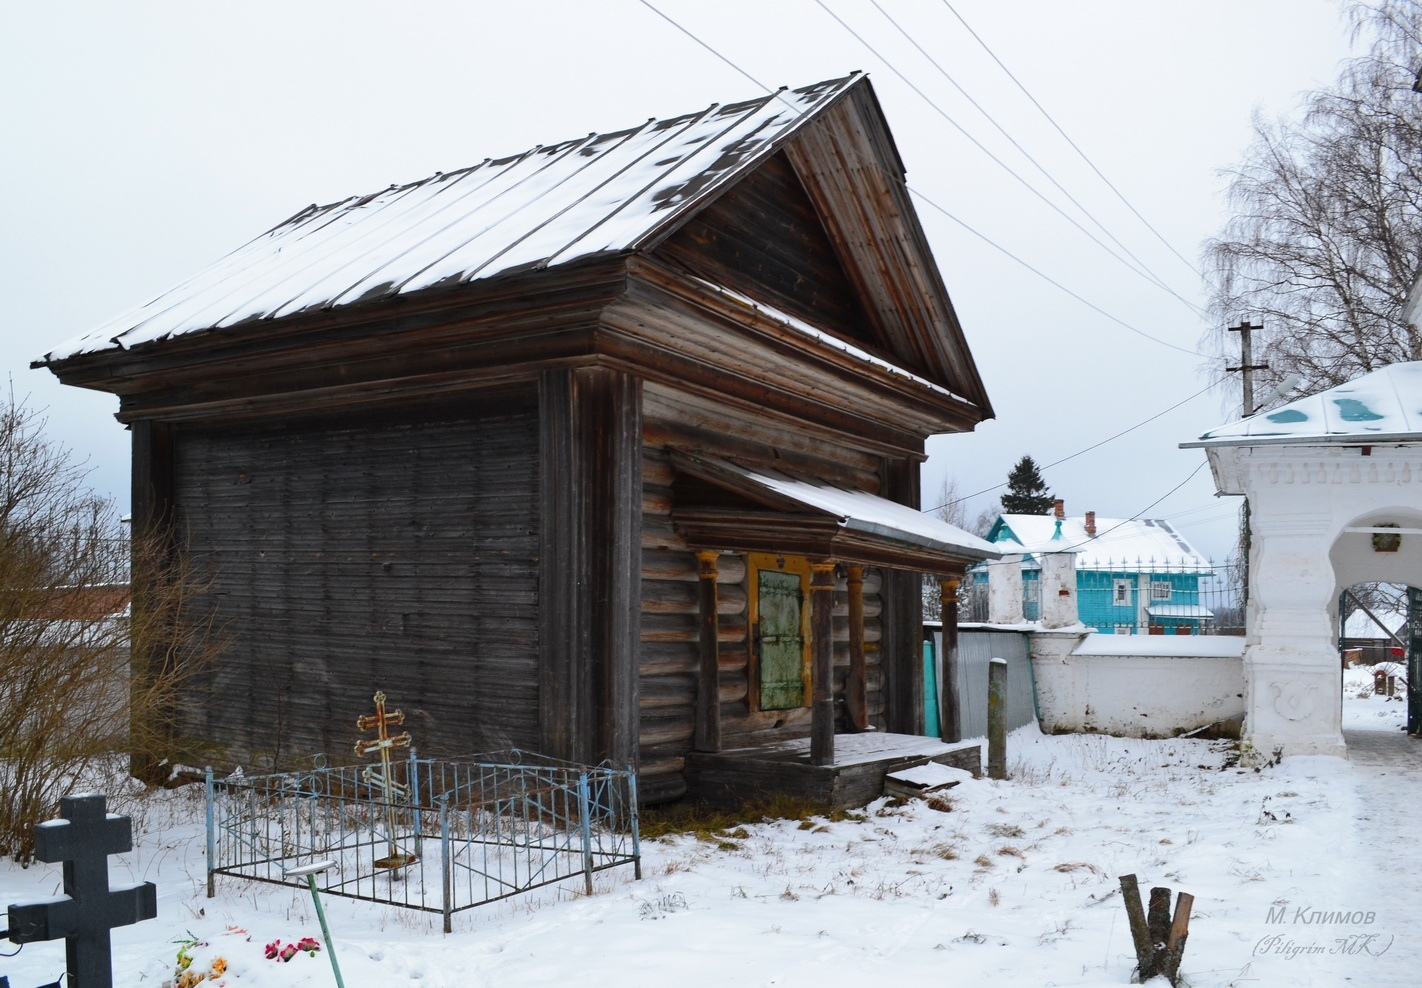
470 831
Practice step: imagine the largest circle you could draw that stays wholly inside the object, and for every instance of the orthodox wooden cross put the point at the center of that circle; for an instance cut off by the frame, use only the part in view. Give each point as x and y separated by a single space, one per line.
383 742
83 840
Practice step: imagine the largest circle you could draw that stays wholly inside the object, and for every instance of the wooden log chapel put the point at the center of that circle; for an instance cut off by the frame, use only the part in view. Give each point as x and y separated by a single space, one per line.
609 449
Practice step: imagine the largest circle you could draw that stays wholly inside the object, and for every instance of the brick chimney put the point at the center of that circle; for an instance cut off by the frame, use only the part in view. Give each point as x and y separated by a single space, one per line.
1091 523
1059 508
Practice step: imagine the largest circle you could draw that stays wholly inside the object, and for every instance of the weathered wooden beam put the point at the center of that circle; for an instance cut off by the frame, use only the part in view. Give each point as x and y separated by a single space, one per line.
590 450
902 618
708 680
950 715
151 525
855 698
822 662
1175 941
997 718
1140 931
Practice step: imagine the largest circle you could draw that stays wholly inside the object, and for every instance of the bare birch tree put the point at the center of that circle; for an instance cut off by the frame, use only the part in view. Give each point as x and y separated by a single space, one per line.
1326 234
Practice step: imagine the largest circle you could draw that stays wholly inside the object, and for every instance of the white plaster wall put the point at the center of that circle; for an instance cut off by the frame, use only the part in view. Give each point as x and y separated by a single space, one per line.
1137 685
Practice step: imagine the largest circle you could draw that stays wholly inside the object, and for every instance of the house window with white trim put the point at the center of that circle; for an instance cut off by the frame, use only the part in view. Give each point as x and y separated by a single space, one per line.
1160 591
1121 593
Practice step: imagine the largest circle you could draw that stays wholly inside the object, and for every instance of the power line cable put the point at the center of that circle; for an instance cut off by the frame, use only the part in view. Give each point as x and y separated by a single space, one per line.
1159 281
1047 278
983 148
1088 449
703 44
1040 274
1091 164
1138 514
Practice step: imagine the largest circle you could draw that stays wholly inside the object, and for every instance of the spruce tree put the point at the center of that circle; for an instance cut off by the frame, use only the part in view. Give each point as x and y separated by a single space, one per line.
1027 492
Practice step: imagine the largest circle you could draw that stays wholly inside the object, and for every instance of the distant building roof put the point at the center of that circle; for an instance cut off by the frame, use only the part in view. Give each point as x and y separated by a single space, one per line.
599 194
1359 624
1141 545
1381 407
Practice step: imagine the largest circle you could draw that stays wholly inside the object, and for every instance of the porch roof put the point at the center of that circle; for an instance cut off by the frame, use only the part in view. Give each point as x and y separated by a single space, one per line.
779 512
1383 407
1179 611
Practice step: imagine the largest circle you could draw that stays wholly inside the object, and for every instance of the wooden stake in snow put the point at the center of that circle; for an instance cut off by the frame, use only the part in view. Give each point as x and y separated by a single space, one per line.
1159 938
997 719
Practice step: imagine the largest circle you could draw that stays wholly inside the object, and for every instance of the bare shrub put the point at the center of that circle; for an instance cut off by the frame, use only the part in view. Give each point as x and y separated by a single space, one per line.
73 700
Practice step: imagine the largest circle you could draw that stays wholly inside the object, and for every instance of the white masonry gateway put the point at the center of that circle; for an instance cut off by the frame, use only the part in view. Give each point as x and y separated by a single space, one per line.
1334 483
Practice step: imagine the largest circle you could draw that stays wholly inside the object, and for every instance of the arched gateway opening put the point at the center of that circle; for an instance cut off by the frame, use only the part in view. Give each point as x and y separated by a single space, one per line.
1334 483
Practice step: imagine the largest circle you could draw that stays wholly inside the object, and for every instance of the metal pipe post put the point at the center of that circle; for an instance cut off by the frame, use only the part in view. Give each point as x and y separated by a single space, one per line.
310 872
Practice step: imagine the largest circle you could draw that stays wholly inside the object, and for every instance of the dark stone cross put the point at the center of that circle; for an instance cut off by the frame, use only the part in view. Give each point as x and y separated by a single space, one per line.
83 840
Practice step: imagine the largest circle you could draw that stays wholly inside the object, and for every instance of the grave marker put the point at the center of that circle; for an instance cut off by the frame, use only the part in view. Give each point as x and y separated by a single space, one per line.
83 840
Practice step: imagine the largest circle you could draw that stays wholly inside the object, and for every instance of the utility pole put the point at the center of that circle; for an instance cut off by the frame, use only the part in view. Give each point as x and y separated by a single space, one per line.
1247 366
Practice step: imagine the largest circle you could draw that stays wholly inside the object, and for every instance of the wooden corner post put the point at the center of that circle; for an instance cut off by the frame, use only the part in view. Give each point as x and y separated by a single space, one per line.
822 662
708 675
950 717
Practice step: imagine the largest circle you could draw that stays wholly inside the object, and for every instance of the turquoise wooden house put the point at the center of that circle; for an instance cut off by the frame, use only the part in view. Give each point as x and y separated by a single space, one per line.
1133 576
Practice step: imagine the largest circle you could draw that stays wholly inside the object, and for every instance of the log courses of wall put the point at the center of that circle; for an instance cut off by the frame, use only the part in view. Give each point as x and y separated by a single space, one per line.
671 633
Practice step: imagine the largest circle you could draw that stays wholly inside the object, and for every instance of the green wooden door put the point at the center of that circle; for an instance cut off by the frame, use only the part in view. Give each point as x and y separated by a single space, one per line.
782 642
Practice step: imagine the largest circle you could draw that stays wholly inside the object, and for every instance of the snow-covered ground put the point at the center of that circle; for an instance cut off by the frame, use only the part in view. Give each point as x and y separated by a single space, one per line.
1302 875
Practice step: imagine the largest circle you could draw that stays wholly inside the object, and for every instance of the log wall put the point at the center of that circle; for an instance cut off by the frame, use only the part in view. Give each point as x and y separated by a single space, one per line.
352 556
669 650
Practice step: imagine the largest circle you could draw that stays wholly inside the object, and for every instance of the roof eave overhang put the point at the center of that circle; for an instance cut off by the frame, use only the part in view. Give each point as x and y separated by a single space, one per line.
926 407
813 536
776 522
1342 439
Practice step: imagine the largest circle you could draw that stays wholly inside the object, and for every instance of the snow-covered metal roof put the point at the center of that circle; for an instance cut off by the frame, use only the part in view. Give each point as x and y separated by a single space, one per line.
1136 545
1179 611
1382 407
1360 624
604 193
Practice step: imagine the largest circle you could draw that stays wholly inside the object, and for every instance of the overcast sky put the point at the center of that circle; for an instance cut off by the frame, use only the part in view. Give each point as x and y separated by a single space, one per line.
141 141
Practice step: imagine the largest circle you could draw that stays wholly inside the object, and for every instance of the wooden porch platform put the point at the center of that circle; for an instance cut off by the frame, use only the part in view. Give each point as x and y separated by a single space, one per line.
745 775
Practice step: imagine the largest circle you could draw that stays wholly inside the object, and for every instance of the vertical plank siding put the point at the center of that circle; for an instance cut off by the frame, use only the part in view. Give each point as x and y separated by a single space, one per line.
347 557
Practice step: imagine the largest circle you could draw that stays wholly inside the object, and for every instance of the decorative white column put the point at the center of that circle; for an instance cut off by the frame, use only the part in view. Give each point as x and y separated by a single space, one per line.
1291 670
1058 608
1005 590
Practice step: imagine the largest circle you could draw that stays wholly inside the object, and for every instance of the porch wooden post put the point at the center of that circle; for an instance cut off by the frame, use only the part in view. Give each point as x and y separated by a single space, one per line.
950 717
708 679
856 699
822 662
